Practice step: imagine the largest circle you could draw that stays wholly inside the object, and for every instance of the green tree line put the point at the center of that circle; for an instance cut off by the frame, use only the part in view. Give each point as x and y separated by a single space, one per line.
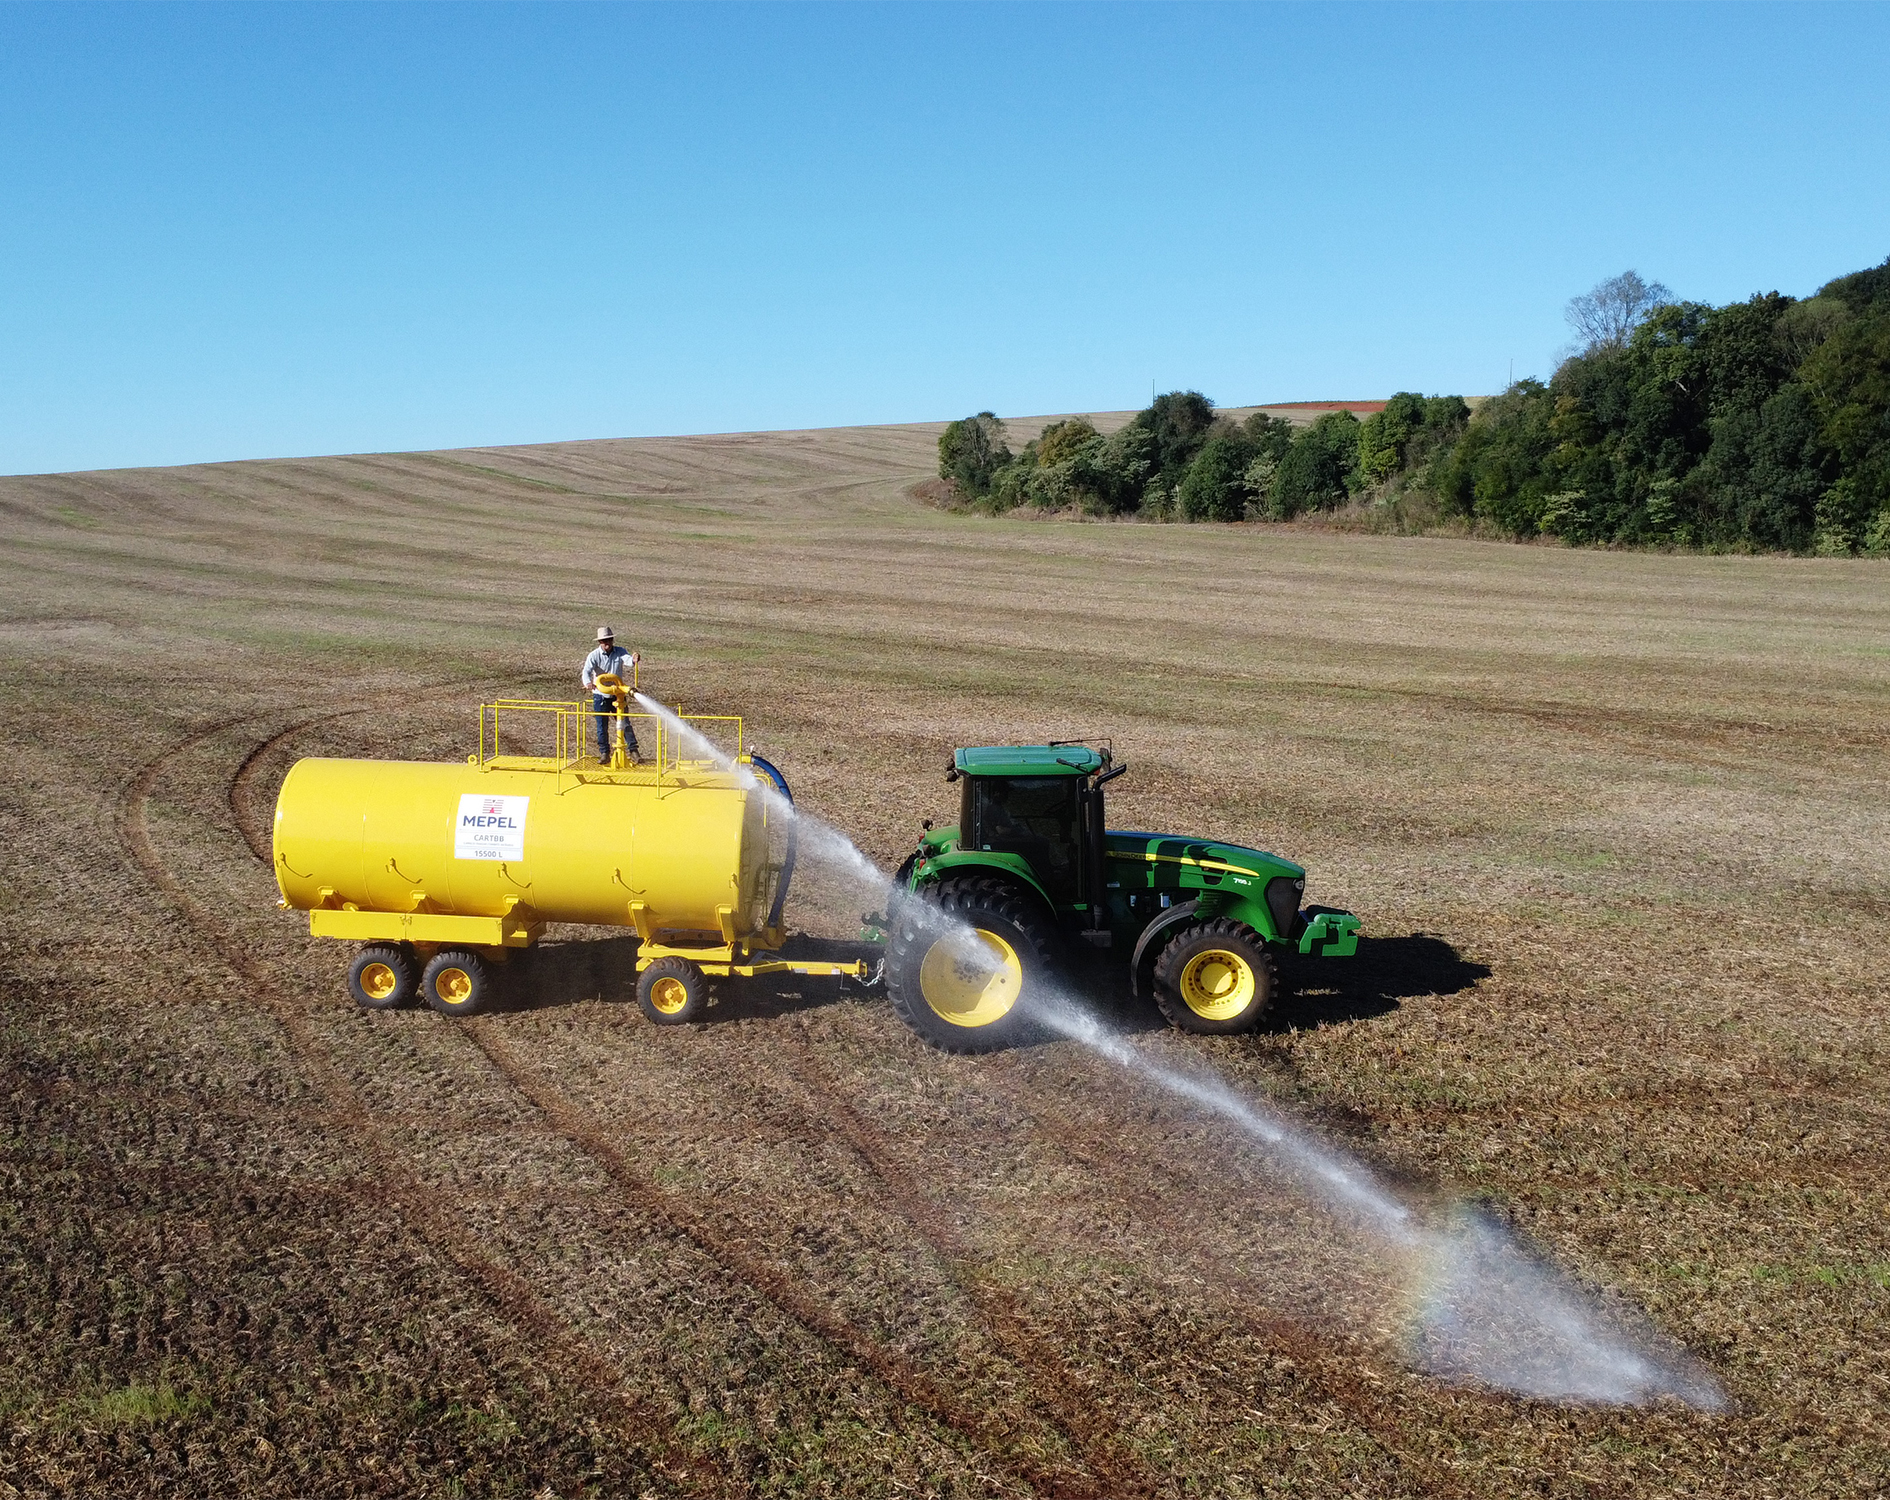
1763 424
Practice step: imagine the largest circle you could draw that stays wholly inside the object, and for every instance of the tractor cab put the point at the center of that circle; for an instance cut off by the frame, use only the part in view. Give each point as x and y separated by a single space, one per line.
1039 804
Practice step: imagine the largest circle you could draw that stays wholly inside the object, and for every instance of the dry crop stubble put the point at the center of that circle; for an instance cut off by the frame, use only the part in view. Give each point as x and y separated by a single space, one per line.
1614 821
202 1249
610 1205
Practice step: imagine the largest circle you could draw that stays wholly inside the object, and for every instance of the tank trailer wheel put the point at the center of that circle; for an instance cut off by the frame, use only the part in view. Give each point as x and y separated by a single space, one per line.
959 997
1215 978
458 982
383 976
672 991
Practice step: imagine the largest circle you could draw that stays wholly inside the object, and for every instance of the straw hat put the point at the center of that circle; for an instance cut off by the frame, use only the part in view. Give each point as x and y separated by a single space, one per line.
605 633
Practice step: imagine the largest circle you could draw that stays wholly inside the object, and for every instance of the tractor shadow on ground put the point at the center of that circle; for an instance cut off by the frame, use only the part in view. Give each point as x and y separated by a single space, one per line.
1385 972
1314 992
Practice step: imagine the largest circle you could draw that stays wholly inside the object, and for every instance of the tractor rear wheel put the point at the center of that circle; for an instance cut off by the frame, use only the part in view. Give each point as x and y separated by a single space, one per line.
458 982
1215 978
672 991
384 975
962 959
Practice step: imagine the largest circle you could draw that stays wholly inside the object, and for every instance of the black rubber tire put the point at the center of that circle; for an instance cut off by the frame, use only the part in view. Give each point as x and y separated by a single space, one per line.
384 976
992 906
672 992
458 982
1222 935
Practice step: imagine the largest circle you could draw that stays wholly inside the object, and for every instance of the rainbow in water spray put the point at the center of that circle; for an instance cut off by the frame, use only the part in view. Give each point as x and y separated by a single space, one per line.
1484 1308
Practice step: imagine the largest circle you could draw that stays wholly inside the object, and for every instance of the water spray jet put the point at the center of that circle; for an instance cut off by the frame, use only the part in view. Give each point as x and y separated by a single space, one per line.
1484 1308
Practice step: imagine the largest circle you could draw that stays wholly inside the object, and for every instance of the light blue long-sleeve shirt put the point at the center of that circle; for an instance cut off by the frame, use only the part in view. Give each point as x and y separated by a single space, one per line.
614 659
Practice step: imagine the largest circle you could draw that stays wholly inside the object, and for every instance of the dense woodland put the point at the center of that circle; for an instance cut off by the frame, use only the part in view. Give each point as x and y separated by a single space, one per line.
1761 425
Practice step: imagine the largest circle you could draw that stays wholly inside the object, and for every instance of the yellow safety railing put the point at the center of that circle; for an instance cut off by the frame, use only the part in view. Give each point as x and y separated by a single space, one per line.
694 719
533 734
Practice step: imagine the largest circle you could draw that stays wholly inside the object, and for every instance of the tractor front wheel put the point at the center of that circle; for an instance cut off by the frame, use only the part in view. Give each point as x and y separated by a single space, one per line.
1215 978
961 961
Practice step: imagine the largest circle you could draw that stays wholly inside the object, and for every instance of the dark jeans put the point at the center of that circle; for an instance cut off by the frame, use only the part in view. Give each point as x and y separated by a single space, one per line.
606 710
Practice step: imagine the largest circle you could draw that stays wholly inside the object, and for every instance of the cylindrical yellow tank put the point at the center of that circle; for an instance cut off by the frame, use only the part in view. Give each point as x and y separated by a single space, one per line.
401 836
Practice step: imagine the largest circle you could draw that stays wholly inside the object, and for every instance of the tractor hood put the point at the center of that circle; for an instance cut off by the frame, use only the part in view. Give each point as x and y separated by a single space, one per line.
1167 859
1216 879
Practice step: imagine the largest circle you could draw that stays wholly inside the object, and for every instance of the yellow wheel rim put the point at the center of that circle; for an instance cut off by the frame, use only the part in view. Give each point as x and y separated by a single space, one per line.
971 989
454 986
378 981
1217 985
669 995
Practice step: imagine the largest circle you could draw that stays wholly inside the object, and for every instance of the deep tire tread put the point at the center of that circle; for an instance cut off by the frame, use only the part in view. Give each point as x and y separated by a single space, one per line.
979 900
397 956
1221 932
693 980
484 982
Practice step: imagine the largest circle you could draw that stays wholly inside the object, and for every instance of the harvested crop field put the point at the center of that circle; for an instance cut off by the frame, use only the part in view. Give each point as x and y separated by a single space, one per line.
1615 823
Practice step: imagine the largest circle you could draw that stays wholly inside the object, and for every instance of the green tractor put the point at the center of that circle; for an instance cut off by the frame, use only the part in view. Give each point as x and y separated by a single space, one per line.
1032 869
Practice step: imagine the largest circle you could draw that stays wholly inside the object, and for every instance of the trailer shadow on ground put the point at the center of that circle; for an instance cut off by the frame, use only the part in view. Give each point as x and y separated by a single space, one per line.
557 974
570 972
769 996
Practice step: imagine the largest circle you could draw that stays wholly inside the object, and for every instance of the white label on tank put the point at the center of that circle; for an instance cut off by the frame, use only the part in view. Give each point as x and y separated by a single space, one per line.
490 827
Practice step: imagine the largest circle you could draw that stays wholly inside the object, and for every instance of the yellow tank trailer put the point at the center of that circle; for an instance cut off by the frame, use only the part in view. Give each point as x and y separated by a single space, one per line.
441 870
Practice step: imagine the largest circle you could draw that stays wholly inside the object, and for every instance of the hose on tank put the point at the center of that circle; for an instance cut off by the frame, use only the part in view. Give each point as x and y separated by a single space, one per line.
793 838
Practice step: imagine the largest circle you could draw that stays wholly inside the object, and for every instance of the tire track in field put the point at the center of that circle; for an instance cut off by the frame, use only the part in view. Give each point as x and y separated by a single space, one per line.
1087 1431
1094 1439
182 1101
581 1128
440 1228
1116 1469
1092 1436
240 789
986 1435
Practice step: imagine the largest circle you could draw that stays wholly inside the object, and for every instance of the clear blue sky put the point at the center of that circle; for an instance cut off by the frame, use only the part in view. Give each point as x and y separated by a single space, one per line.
264 230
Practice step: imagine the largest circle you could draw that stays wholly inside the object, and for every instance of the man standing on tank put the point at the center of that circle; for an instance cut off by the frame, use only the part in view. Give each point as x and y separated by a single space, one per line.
609 657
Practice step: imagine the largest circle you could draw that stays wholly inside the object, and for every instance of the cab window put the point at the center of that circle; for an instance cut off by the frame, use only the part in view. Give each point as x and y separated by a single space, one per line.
1033 816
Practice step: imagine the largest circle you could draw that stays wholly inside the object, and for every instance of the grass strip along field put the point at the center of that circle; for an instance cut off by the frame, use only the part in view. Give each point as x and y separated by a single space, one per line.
1615 823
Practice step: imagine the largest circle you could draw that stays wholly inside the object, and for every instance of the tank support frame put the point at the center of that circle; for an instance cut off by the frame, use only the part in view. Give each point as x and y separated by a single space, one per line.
722 963
435 929
513 930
